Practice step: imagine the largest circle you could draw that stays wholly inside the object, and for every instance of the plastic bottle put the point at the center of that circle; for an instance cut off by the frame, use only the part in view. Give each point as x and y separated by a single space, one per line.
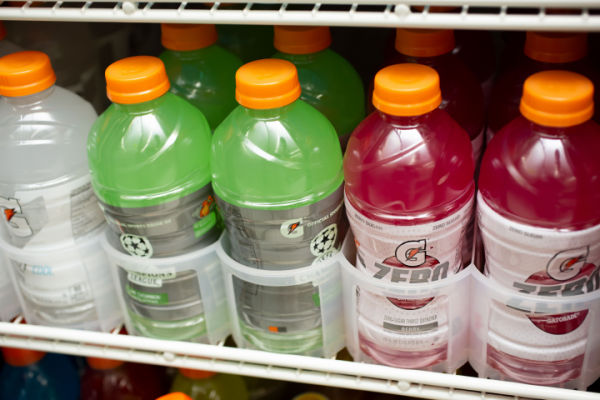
175 396
409 171
115 380
463 97
45 190
540 223
207 385
200 70
148 156
277 175
329 82
542 51
30 374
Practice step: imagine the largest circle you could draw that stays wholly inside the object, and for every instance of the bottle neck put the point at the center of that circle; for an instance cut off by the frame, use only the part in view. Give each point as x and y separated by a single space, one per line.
304 58
404 121
268 114
552 131
190 54
32 99
141 108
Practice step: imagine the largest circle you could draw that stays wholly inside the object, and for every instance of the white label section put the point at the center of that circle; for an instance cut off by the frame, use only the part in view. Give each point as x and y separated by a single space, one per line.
397 324
46 287
539 261
410 254
148 279
51 215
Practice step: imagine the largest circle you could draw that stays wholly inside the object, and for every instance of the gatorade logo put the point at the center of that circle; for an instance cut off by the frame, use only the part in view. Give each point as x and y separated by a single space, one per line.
411 264
15 220
567 274
292 228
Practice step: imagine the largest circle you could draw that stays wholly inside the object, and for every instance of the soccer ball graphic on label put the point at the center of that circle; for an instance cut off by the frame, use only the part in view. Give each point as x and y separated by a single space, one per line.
322 245
137 246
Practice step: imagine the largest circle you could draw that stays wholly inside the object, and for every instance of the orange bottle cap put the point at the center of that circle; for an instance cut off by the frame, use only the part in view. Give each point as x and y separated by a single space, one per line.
196 373
267 83
25 73
136 80
103 363
21 357
310 396
555 47
424 42
301 39
557 98
407 90
2 31
187 37
175 396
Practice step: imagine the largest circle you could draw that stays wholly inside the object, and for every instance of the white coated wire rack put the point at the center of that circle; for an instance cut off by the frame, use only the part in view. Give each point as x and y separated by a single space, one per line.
351 375
583 15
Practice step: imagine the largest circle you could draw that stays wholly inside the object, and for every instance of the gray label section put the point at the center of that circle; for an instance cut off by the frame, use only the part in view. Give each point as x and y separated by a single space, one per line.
166 229
410 329
175 299
278 309
285 239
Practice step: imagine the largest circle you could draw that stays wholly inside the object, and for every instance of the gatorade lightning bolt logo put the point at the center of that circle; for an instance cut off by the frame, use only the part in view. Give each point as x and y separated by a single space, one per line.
15 220
411 264
292 229
567 274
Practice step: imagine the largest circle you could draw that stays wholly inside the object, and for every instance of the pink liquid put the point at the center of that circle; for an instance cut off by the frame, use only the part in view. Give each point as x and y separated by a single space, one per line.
462 96
407 171
507 91
542 176
548 178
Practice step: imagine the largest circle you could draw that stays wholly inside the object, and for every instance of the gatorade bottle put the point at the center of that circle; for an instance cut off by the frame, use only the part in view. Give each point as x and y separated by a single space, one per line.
30 374
207 385
542 52
115 380
277 174
328 81
248 42
148 155
199 70
175 396
45 191
409 194
463 98
540 223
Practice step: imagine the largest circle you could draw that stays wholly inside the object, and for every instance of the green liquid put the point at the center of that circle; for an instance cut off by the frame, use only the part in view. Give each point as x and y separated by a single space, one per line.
332 86
206 78
149 153
191 329
217 387
276 159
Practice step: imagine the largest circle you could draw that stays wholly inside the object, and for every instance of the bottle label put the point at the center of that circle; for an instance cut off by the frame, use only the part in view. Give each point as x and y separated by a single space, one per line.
285 239
409 254
539 261
46 286
166 229
51 215
161 294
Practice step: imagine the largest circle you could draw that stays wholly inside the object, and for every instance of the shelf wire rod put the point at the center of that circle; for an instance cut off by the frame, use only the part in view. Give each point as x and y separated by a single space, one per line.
147 7
181 7
315 9
246 9
57 6
215 7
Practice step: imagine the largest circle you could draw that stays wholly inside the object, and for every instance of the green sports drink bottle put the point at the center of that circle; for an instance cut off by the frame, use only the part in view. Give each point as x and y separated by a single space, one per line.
277 175
149 163
200 71
207 385
329 82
